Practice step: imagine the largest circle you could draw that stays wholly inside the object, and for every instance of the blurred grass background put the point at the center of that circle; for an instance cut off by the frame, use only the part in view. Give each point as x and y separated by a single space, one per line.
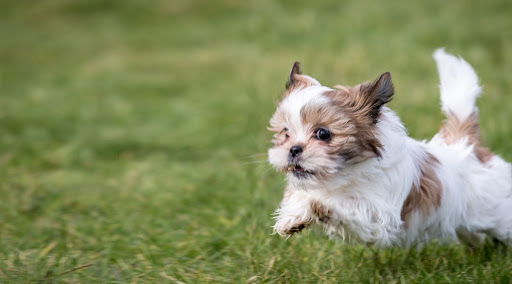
133 140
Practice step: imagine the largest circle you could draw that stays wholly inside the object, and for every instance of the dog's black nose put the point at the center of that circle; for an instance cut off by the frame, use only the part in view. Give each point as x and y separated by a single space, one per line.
295 150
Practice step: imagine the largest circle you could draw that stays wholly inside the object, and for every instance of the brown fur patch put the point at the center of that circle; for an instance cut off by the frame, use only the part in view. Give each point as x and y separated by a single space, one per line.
453 130
321 213
360 107
341 87
427 193
346 117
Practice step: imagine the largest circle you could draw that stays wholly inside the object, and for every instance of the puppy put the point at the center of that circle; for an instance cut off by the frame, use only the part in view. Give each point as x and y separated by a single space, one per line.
351 168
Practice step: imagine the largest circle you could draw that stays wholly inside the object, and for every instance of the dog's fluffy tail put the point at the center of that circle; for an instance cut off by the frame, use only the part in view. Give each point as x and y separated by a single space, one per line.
458 84
459 91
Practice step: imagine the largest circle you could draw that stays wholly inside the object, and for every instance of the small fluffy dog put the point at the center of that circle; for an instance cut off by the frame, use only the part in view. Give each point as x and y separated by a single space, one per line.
351 168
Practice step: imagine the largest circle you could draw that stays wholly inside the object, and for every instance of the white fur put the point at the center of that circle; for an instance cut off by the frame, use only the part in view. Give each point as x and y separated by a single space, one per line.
365 200
459 84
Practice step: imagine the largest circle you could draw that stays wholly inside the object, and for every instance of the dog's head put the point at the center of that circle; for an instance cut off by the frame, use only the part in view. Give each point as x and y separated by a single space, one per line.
320 131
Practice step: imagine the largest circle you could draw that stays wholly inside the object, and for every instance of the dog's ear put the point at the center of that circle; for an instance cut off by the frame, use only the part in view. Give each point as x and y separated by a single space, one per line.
376 94
294 76
297 81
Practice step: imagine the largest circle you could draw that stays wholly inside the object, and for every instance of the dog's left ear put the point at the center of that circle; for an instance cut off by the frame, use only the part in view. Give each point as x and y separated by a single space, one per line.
376 94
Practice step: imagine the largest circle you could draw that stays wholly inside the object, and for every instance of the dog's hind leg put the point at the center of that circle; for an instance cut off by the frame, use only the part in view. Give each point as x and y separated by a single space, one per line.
470 239
502 232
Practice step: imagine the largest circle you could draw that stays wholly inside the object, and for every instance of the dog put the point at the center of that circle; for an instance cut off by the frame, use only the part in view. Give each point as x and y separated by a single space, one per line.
351 168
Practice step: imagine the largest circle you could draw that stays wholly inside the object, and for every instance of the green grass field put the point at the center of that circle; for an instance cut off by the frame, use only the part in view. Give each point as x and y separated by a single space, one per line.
133 134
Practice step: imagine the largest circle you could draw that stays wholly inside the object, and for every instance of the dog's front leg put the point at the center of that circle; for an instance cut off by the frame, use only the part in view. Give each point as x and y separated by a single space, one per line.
294 214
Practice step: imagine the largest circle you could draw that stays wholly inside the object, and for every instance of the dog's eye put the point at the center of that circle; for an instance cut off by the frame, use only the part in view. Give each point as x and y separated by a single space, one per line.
322 134
286 133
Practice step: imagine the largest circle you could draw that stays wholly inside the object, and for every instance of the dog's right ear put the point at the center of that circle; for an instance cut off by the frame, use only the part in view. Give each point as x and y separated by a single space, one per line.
298 81
294 76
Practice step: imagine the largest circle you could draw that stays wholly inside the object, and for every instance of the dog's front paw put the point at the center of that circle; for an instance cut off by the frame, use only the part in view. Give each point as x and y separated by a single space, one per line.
296 229
321 212
290 227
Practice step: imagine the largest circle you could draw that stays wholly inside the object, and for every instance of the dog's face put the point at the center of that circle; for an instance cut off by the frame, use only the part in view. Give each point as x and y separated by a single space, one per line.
319 131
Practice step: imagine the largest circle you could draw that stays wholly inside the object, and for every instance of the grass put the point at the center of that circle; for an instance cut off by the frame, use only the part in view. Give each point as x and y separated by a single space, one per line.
133 140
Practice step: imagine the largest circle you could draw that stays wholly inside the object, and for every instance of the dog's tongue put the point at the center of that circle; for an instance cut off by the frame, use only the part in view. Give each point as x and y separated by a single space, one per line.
298 168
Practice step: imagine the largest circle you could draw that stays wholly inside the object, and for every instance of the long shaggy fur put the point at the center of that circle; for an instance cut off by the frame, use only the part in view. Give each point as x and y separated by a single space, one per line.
352 170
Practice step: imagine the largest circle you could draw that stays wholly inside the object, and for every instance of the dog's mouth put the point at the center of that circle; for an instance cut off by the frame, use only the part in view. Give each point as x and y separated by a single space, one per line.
299 171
